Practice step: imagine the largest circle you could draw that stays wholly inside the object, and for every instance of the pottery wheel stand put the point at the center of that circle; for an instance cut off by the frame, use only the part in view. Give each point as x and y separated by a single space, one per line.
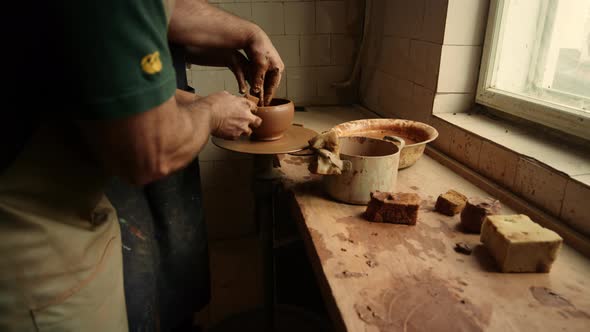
265 183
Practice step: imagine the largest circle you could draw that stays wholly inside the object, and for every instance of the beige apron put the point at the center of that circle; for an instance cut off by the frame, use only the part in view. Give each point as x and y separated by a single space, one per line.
60 243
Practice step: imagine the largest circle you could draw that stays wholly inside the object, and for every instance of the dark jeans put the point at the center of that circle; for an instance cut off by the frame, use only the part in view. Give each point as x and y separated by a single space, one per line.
165 253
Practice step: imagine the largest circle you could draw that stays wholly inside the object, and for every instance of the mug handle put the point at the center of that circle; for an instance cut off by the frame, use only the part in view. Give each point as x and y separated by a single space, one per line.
400 142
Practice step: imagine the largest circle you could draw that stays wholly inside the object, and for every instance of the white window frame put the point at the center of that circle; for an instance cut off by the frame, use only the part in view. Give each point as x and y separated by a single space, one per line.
557 116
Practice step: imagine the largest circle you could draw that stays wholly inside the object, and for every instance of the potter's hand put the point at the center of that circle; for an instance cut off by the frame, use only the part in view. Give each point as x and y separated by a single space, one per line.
222 57
238 64
265 67
231 116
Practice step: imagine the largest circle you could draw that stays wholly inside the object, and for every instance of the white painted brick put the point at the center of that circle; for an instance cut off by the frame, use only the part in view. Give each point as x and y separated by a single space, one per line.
301 82
403 18
498 164
269 16
243 10
330 17
466 22
343 49
300 18
540 185
459 68
453 102
435 15
315 50
576 206
328 75
208 82
425 58
288 48
465 147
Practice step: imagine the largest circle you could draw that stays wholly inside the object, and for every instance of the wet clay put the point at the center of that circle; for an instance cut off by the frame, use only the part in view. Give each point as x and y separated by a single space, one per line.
348 274
323 253
276 118
424 303
297 161
371 260
412 132
415 134
547 297
416 240
294 139
463 248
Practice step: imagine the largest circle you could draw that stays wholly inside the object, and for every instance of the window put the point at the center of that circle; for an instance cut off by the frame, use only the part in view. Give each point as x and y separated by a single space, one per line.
536 62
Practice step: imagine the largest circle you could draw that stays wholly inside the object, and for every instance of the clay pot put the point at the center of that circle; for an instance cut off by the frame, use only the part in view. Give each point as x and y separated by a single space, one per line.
276 119
369 164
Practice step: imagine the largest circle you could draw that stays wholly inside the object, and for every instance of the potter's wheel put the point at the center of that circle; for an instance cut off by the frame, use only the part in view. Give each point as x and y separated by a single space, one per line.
294 139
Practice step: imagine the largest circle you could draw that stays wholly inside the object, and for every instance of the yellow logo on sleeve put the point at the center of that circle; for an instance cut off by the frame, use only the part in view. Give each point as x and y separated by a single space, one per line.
151 64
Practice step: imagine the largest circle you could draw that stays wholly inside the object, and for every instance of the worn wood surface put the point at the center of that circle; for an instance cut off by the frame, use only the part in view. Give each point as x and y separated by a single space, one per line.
385 277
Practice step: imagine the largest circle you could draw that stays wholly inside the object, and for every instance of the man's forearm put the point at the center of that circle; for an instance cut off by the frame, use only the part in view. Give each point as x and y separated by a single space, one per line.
194 128
197 23
150 145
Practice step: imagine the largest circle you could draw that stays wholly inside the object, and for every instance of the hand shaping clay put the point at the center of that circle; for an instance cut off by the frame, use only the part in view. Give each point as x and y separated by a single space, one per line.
450 203
400 208
475 212
520 245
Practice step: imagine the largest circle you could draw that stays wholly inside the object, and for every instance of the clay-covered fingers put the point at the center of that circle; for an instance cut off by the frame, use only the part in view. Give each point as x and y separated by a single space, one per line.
231 116
246 131
253 120
256 122
241 78
257 79
271 84
238 66
251 104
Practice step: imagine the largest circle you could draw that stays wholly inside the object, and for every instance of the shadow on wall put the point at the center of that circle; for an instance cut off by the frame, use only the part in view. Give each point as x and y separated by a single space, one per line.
375 33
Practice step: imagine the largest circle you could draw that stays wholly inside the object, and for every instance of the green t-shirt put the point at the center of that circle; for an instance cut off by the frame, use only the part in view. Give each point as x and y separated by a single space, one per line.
119 56
82 59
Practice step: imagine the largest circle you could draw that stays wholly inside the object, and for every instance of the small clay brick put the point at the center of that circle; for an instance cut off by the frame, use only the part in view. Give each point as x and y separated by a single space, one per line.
399 208
475 212
450 203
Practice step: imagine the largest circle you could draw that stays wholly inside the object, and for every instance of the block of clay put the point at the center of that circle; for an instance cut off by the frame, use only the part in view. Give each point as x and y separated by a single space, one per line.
399 208
518 244
475 212
450 203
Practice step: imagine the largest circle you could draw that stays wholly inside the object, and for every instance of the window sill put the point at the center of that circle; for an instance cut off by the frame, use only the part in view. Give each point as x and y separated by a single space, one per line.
552 175
572 161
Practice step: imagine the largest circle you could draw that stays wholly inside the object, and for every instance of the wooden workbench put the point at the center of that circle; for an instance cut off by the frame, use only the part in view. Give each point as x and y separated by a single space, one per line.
383 277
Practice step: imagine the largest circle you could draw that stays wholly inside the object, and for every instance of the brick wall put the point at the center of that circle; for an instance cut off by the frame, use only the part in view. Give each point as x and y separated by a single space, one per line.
317 41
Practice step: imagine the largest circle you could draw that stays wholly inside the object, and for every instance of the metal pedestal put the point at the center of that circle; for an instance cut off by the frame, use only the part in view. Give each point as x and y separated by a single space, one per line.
265 186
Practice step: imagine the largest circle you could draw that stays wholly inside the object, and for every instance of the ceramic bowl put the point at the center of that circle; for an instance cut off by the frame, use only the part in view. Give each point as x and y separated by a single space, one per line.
415 134
276 119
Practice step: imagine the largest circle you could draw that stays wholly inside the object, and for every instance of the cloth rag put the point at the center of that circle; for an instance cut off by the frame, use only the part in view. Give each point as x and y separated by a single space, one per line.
327 150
